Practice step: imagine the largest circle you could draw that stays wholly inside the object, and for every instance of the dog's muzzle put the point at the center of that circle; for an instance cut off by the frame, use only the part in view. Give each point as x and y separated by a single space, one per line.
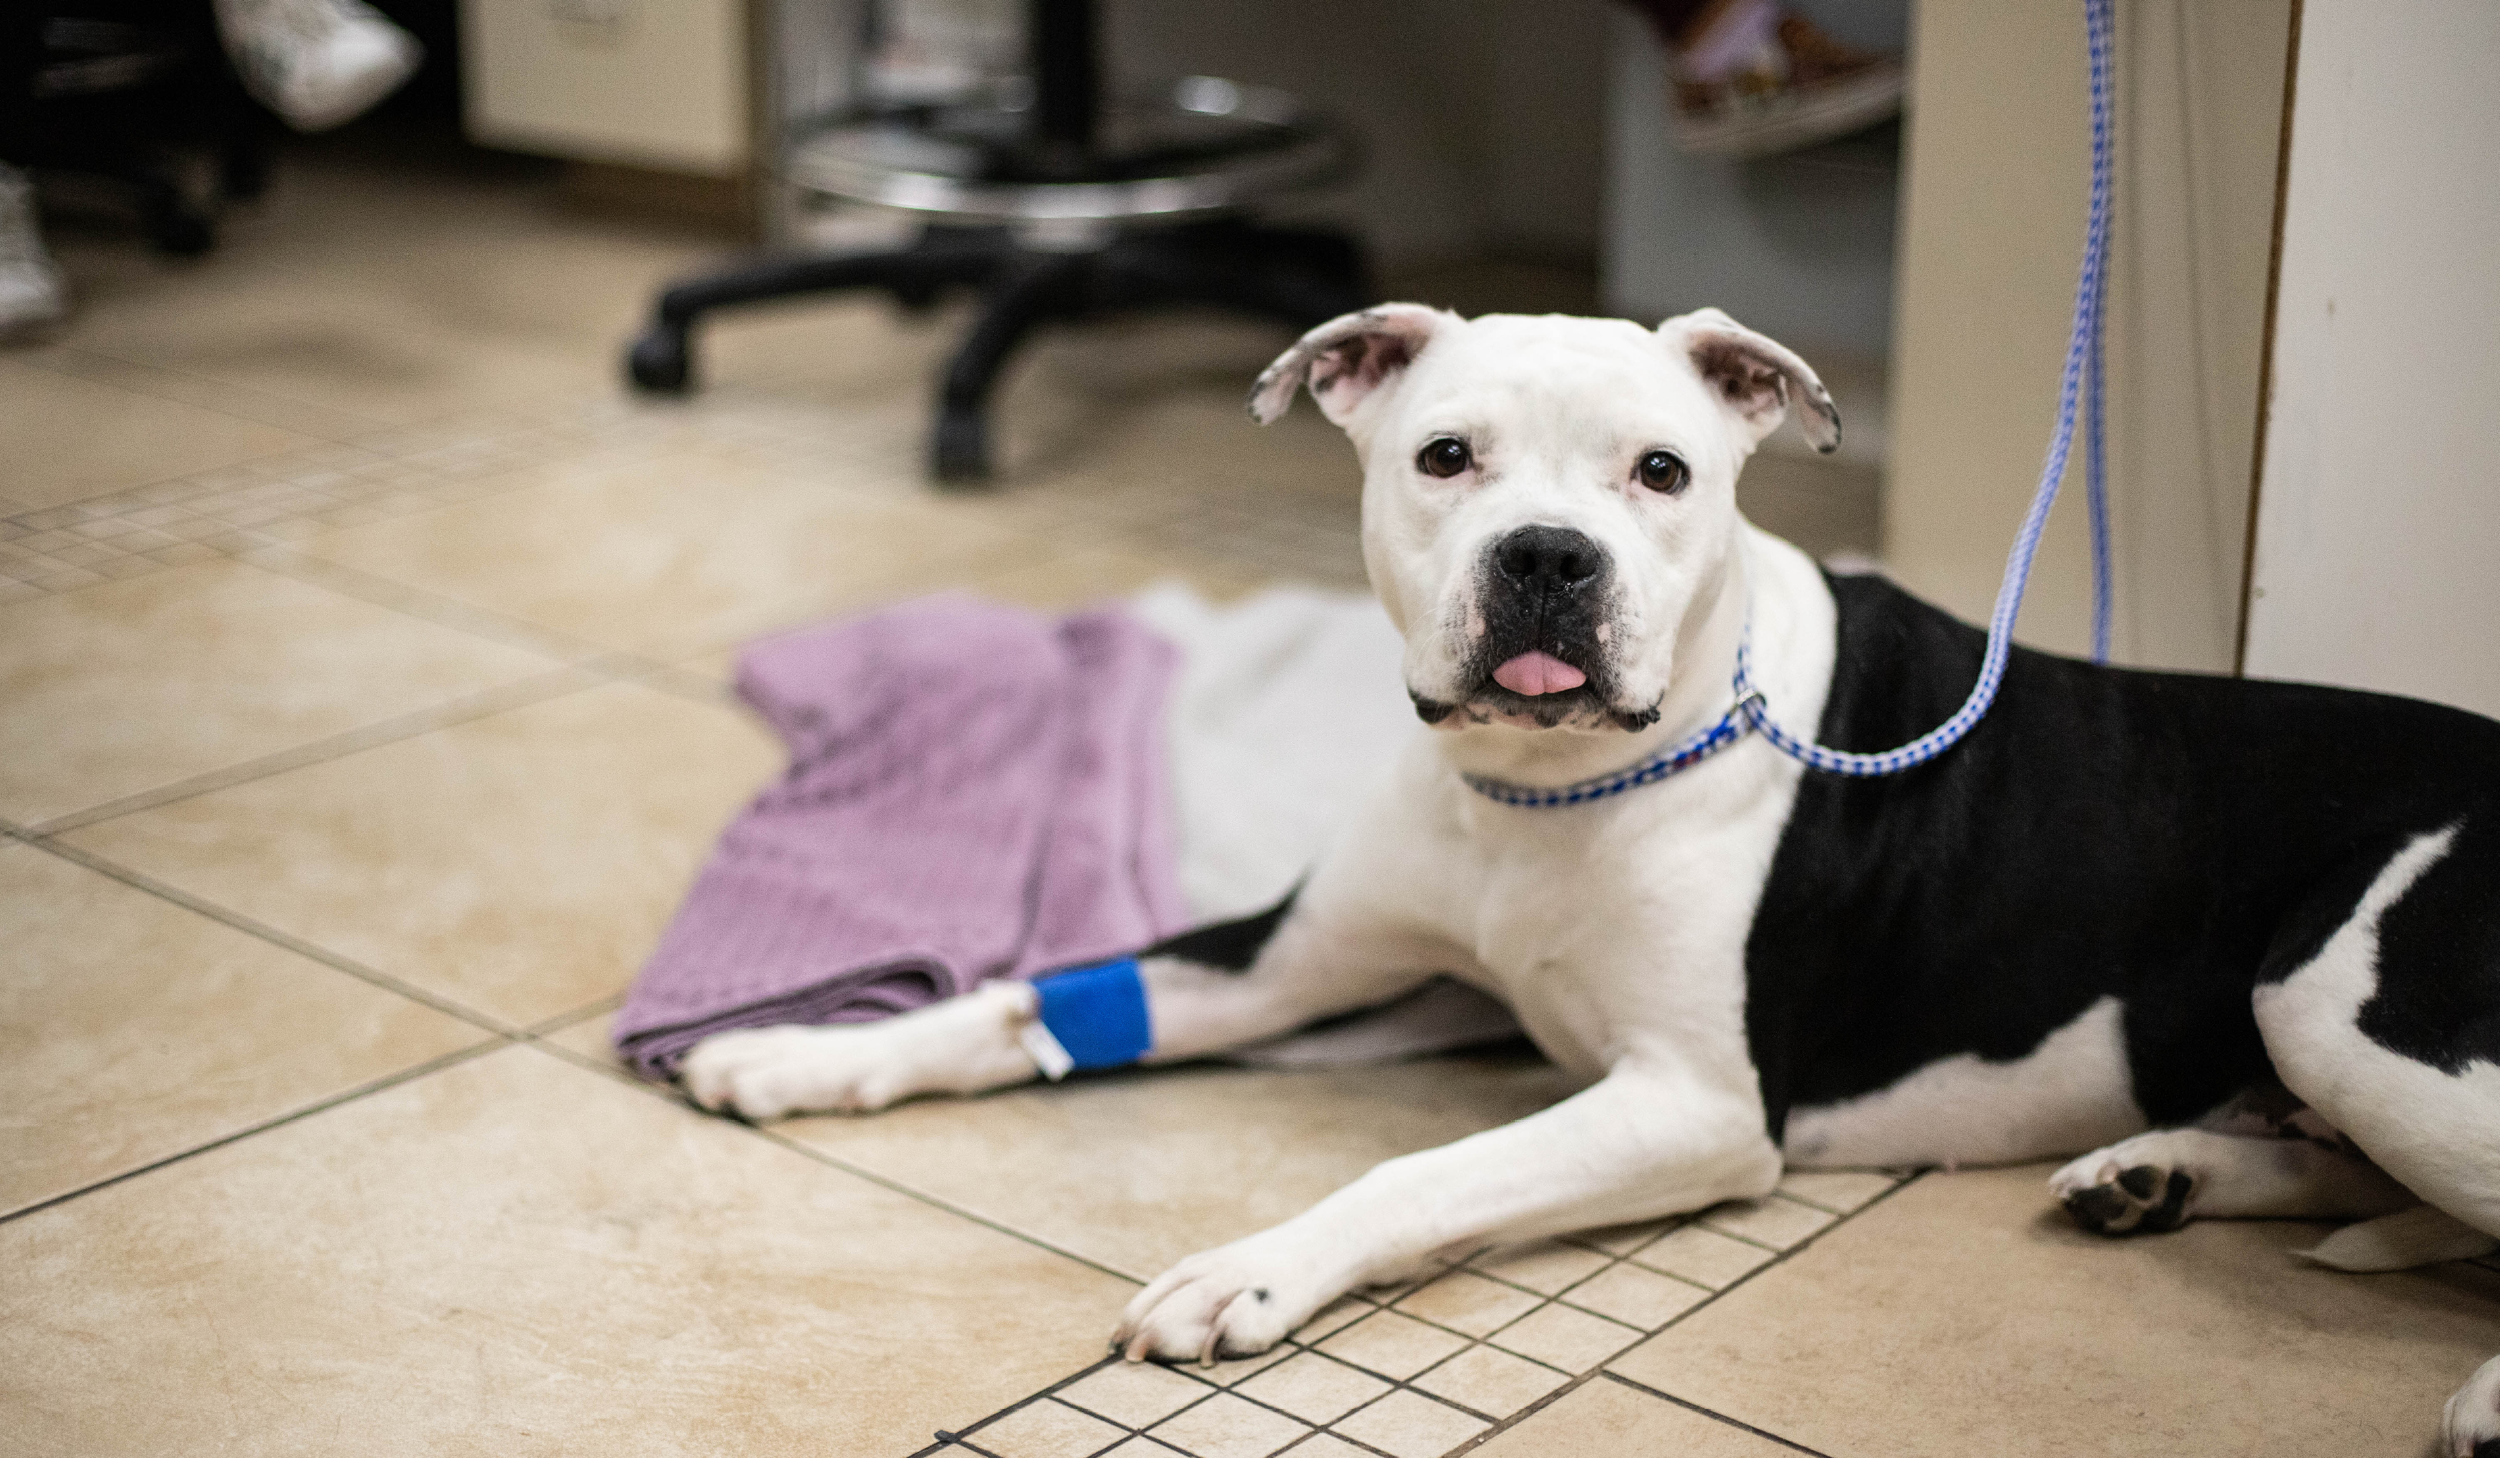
1542 594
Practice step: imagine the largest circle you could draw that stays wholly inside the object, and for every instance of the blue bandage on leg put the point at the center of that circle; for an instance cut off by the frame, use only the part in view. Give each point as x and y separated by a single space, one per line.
1093 1017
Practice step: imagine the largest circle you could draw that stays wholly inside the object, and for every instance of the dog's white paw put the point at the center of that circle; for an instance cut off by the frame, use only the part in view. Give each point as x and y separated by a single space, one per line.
2471 1426
766 1073
964 1044
2134 1185
1234 1301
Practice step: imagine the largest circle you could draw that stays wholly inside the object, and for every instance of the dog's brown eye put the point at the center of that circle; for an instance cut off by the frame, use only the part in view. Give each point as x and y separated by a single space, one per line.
1444 455
1664 471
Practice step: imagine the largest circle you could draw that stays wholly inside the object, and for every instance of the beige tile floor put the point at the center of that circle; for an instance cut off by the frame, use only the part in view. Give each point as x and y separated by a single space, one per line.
361 718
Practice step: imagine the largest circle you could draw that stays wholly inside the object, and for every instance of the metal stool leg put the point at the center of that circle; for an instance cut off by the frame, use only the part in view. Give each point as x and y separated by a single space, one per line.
660 359
176 223
1049 286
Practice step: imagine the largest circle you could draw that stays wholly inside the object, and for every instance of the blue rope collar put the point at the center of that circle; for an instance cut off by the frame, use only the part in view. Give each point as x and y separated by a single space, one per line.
2081 381
1732 726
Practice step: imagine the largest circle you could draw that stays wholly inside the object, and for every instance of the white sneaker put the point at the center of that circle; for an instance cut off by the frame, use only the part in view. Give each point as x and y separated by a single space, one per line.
31 293
316 63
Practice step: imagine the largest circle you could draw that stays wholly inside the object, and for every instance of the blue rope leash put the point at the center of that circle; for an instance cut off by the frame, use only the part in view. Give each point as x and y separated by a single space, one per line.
2080 387
2083 358
2097 33
2095 452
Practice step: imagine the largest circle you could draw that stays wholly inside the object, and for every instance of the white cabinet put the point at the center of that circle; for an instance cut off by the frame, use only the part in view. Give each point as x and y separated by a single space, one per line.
660 84
2378 514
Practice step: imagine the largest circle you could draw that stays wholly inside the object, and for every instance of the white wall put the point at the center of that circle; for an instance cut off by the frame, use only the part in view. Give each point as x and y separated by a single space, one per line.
2378 540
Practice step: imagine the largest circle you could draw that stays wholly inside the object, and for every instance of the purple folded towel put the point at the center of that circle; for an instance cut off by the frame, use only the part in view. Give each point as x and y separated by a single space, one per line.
973 792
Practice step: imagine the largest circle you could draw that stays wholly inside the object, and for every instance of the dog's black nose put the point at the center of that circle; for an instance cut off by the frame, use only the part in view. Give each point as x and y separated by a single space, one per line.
1544 559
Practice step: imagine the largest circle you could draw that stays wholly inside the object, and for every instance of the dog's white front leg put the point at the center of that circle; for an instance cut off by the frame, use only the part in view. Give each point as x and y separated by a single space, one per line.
1644 1141
1304 964
964 1045
1314 966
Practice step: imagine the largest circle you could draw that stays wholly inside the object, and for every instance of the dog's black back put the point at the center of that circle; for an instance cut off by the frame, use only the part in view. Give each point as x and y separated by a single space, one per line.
2169 839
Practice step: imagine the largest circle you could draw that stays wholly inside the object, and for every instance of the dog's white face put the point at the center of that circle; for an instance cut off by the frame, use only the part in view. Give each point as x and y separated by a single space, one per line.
1546 500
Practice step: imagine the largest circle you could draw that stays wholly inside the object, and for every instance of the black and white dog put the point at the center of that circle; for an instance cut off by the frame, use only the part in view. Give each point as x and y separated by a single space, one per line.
2240 940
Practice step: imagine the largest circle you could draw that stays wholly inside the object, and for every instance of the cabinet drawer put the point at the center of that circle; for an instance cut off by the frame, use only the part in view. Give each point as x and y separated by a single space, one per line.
655 83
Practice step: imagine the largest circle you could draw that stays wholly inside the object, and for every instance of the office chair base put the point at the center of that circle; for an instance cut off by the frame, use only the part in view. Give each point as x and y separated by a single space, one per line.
1297 276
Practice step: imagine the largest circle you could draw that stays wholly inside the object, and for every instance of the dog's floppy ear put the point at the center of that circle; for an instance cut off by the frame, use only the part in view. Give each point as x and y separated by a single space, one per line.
1347 358
1756 376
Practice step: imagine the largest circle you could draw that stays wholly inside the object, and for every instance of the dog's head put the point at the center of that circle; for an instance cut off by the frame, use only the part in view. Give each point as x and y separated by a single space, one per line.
1546 500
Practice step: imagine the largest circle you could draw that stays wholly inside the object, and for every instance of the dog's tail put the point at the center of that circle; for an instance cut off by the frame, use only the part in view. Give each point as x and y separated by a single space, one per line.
2420 1236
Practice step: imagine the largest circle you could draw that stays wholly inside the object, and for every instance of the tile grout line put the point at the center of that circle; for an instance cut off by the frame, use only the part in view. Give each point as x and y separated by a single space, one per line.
493 1042
550 1026
830 1161
680 682
612 665
577 666
117 372
388 1081
1711 1413
291 561
553 683
139 881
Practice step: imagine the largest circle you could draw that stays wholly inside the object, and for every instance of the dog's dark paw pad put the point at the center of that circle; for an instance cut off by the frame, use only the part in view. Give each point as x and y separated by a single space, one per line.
2138 1199
2171 1213
2102 1209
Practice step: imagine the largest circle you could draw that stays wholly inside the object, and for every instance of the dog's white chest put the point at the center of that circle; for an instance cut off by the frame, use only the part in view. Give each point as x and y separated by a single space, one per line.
1620 927
1573 969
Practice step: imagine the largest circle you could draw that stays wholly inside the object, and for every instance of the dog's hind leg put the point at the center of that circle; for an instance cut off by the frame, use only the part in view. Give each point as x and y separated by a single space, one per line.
2162 1180
2382 1013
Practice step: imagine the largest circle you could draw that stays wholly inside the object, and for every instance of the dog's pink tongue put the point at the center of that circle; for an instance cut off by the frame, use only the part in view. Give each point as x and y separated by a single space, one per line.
1538 673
